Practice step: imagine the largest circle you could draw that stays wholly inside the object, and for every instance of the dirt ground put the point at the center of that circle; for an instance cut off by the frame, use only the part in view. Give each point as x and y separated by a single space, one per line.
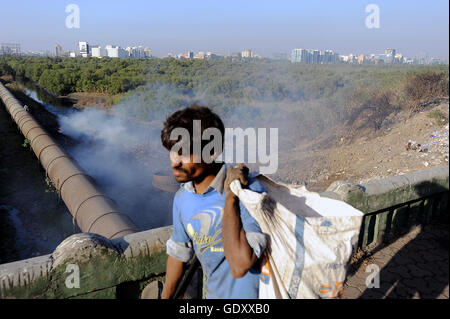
359 156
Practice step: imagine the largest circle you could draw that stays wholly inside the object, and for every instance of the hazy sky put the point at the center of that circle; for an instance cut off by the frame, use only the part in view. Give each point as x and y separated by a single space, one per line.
223 27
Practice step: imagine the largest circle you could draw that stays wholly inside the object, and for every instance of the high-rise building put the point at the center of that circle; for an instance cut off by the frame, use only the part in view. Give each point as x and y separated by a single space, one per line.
58 50
114 51
315 56
136 52
247 54
329 57
398 58
295 55
10 49
147 52
300 56
361 59
83 49
98 52
389 52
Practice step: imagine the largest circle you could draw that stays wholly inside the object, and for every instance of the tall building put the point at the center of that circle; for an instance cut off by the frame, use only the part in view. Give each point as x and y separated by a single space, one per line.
137 52
83 49
390 52
329 57
58 50
147 52
10 49
398 58
361 59
97 51
300 56
389 56
315 56
247 54
114 51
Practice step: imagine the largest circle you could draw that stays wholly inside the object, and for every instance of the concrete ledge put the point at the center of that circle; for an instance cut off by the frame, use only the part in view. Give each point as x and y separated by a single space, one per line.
379 194
103 265
394 205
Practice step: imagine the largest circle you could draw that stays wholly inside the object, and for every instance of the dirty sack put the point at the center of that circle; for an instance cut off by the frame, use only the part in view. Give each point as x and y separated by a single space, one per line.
311 239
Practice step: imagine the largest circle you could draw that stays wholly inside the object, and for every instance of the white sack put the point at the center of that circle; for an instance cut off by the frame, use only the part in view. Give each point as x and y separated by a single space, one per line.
311 239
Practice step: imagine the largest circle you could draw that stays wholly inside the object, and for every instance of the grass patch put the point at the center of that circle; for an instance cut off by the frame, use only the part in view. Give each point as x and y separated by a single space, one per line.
438 116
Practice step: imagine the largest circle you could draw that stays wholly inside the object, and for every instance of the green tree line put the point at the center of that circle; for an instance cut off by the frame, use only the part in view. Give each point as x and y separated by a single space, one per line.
311 96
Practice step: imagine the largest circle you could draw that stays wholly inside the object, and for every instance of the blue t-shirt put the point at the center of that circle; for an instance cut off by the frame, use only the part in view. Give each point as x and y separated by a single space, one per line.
197 227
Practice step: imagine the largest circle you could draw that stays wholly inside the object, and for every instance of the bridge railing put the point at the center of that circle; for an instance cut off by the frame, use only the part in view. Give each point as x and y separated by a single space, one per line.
91 266
392 206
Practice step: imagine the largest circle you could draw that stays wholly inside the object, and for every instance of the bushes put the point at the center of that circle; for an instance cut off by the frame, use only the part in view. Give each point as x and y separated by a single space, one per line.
370 104
67 75
424 87
314 96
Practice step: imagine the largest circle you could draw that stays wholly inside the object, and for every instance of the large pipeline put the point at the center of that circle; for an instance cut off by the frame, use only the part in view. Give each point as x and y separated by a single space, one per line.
93 211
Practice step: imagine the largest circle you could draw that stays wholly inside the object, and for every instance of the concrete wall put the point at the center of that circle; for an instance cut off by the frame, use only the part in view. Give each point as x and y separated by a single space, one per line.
134 266
108 268
394 205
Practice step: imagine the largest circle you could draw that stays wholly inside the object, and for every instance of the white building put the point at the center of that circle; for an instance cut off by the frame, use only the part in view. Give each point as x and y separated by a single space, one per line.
247 53
147 52
114 51
83 49
98 52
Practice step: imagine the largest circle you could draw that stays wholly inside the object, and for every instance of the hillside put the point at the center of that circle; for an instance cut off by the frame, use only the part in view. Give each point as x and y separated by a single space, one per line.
365 154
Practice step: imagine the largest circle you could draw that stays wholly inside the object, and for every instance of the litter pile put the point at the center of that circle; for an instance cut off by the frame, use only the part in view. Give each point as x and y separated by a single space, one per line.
434 148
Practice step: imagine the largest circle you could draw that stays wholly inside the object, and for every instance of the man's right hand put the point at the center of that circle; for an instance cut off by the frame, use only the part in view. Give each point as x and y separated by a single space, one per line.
240 172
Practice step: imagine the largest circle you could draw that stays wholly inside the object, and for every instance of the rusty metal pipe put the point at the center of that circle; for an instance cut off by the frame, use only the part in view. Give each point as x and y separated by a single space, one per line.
93 211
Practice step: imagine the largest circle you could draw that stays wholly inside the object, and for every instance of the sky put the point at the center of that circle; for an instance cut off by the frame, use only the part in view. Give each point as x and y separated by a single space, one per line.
412 27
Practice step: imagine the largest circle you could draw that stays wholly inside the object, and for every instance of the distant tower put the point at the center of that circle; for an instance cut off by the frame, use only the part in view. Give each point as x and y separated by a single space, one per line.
390 52
83 49
247 53
10 49
58 50
147 52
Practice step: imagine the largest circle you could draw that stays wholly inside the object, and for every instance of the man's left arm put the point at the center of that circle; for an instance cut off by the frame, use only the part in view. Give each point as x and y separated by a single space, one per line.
238 252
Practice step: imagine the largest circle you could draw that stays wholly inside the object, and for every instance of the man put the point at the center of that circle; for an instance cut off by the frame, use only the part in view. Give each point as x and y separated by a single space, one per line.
208 218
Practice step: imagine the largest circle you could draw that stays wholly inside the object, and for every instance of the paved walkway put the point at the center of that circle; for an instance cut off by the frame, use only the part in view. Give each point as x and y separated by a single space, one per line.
413 266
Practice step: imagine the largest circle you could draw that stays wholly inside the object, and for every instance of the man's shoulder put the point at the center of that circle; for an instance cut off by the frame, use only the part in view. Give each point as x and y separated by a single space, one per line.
180 195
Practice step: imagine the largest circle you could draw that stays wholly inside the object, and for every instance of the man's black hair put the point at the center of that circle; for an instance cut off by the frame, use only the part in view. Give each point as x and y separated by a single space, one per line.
185 119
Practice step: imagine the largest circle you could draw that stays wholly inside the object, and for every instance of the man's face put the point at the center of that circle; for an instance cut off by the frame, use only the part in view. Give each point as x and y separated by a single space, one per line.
184 167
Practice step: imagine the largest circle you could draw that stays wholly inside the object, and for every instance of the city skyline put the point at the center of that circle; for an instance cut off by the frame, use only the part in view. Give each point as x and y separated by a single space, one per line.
298 55
413 27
